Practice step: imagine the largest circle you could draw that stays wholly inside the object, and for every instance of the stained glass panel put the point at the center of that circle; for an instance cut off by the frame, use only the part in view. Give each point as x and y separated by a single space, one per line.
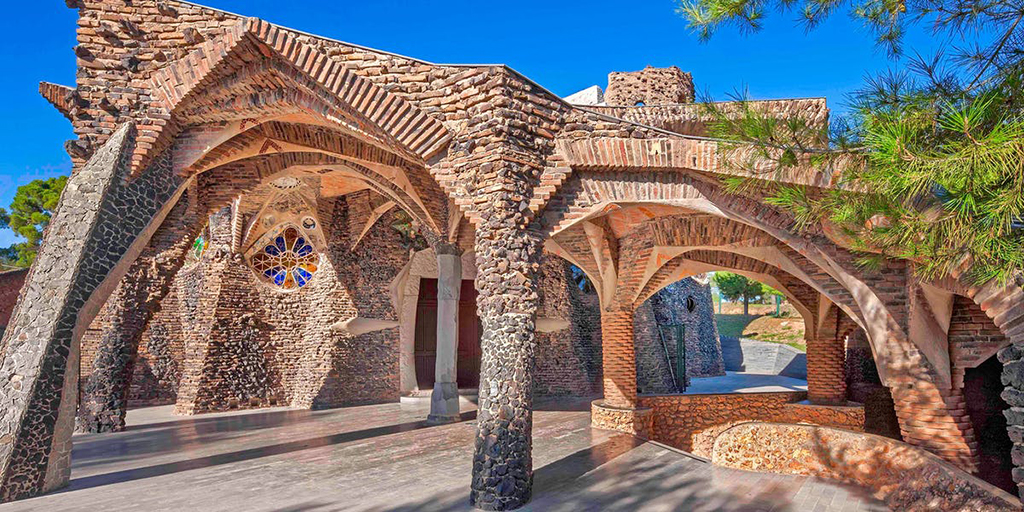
287 260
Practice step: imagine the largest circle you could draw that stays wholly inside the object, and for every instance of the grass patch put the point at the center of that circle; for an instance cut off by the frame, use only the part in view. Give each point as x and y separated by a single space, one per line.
733 325
787 330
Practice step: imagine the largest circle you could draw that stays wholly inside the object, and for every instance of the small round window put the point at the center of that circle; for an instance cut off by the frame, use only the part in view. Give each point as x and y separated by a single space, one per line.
287 261
690 304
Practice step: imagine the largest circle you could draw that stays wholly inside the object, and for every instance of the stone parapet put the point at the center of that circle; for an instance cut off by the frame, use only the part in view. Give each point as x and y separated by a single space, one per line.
845 416
637 422
907 478
692 422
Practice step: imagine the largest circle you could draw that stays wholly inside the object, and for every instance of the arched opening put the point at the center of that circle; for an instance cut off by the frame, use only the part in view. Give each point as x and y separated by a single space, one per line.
691 336
974 340
985 407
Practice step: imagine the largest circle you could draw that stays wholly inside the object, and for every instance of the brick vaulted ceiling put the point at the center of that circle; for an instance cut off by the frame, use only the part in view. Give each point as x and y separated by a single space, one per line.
257 70
272 94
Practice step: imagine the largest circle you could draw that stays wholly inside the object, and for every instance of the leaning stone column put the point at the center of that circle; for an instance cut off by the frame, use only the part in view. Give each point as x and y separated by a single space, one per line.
101 224
506 256
444 400
104 399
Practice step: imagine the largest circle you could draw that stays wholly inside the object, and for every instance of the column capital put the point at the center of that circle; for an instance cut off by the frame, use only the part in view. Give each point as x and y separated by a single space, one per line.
447 248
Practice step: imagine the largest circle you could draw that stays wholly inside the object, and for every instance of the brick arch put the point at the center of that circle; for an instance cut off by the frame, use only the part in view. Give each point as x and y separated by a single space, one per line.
262 168
384 168
588 194
228 71
803 297
1003 305
697 234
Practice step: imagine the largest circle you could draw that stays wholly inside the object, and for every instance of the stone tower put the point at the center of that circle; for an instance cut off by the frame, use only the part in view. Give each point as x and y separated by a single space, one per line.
686 302
649 86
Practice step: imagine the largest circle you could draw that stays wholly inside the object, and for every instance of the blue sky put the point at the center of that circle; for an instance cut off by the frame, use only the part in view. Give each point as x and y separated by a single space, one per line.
564 46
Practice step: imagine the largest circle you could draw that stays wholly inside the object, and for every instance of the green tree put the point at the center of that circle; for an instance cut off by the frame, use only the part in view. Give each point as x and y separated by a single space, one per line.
931 161
735 287
30 213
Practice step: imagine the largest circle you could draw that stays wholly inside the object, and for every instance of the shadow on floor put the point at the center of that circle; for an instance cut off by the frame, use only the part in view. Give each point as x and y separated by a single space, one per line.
592 479
246 421
249 454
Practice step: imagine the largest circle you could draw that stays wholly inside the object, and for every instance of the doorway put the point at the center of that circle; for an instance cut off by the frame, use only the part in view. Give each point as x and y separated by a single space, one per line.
468 367
985 406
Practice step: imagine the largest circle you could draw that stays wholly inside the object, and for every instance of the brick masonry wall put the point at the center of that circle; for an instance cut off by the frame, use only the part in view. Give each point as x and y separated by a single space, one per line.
973 337
161 352
10 286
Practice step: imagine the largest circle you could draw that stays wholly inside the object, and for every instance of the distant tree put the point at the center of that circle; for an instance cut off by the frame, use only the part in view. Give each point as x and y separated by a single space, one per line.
736 287
930 163
30 213
8 257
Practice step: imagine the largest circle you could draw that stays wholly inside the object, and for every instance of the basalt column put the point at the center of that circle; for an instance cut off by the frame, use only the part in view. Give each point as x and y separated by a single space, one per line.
104 399
507 264
444 400
102 223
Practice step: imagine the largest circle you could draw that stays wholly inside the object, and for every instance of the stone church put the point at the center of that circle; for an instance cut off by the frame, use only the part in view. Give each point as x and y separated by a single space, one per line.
258 216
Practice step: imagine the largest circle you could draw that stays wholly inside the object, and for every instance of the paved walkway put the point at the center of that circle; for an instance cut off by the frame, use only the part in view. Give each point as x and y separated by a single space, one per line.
383 457
741 382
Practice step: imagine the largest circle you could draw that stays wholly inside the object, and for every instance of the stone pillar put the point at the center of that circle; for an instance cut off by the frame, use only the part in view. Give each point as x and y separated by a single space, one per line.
104 398
619 356
506 257
102 223
444 400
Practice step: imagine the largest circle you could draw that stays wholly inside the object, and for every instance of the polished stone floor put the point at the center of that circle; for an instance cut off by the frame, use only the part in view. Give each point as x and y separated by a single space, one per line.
384 457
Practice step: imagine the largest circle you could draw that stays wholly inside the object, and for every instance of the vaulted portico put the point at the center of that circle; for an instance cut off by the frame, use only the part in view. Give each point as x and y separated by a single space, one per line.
293 154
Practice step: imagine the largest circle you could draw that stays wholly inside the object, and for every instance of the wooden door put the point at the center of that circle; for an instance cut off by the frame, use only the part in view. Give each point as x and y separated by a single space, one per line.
469 338
468 365
426 333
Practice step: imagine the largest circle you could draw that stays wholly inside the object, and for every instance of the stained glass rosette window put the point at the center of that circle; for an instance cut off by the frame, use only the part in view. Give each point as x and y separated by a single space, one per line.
288 261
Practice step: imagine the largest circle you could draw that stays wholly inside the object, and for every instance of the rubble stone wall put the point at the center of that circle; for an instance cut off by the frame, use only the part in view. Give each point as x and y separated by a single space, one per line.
655 361
100 218
569 360
908 478
650 86
692 422
267 347
161 351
